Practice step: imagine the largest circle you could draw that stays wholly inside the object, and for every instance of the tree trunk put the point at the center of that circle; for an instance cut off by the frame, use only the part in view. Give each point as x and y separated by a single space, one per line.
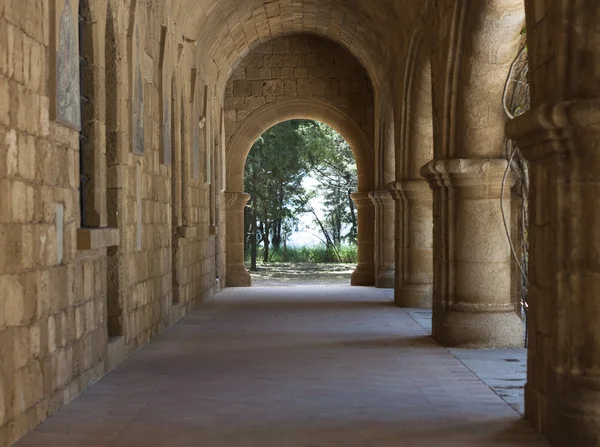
265 237
353 230
247 230
253 242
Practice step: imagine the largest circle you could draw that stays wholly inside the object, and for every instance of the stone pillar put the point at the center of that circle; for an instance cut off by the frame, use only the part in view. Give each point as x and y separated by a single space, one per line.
472 260
237 275
562 395
384 238
414 243
364 275
560 137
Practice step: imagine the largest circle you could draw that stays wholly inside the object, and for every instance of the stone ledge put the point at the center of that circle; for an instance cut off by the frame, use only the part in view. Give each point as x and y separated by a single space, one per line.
94 238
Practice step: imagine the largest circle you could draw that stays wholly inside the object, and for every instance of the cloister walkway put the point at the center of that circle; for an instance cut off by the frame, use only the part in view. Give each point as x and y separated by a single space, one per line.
287 367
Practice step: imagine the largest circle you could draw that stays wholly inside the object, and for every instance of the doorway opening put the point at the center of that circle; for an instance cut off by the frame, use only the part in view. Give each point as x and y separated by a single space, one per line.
301 224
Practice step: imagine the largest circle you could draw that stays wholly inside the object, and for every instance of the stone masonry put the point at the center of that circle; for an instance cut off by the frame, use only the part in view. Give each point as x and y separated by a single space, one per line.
124 129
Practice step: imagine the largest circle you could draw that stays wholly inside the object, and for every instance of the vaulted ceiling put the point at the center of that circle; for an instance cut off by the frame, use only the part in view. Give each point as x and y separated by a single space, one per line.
227 30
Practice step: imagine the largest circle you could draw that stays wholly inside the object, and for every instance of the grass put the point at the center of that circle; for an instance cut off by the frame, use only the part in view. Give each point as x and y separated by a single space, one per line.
316 254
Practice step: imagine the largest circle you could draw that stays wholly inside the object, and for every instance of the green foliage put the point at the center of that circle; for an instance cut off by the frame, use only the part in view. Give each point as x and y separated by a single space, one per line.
275 168
335 169
315 254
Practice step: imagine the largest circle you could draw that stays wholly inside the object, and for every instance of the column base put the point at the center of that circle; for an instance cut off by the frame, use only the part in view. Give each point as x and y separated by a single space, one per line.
417 296
238 277
568 414
363 276
479 329
385 279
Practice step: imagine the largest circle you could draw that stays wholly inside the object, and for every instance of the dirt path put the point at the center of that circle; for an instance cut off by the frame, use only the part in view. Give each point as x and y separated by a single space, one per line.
287 274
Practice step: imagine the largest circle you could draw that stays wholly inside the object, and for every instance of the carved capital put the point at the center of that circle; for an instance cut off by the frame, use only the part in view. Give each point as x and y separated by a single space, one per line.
465 172
554 123
236 201
361 199
410 190
381 198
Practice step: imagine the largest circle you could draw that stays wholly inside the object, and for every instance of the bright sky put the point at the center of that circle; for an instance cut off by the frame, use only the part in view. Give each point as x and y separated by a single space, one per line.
308 232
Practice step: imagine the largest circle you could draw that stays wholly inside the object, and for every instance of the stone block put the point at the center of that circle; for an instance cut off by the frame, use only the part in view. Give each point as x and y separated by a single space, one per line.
4 101
12 156
26 157
13 300
274 87
6 202
300 72
21 346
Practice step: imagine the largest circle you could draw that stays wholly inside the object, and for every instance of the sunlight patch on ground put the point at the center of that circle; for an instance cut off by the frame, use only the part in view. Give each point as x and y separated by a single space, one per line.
288 274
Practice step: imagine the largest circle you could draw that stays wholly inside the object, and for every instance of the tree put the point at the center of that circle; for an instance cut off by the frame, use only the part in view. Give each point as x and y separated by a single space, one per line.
335 170
275 169
276 165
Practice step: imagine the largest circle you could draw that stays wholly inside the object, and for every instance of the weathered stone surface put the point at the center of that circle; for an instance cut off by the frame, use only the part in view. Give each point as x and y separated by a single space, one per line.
407 82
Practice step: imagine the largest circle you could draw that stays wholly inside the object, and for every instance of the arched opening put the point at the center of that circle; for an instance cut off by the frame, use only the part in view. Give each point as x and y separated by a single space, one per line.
238 148
114 304
301 222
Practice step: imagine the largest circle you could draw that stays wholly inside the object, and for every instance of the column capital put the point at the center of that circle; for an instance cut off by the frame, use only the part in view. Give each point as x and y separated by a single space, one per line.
410 190
361 199
464 172
553 122
381 197
236 200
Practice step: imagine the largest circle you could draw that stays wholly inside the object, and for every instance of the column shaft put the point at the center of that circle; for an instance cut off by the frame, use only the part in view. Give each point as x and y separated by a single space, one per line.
472 303
414 243
364 275
237 275
384 238
562 395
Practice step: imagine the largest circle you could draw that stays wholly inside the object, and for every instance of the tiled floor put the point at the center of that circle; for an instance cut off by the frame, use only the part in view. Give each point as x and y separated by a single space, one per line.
288 367
503 370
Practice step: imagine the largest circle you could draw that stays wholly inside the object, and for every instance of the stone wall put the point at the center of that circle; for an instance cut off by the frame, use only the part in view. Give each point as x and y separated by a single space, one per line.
75 302
299 67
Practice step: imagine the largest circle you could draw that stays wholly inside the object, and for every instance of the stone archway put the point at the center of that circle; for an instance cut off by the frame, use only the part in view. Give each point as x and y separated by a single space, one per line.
237 151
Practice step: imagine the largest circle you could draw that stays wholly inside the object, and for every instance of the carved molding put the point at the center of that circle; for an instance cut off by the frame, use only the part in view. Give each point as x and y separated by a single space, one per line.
410 190
361 199
553 123
236 201
466 172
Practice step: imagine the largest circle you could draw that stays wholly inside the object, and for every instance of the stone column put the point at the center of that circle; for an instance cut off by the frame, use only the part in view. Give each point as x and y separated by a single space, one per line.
414 243
237 275
472 260
562 395
364 275
560 137
384 238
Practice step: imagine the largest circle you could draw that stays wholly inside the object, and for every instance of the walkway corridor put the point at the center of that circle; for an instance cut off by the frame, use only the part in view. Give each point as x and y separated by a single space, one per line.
287 367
